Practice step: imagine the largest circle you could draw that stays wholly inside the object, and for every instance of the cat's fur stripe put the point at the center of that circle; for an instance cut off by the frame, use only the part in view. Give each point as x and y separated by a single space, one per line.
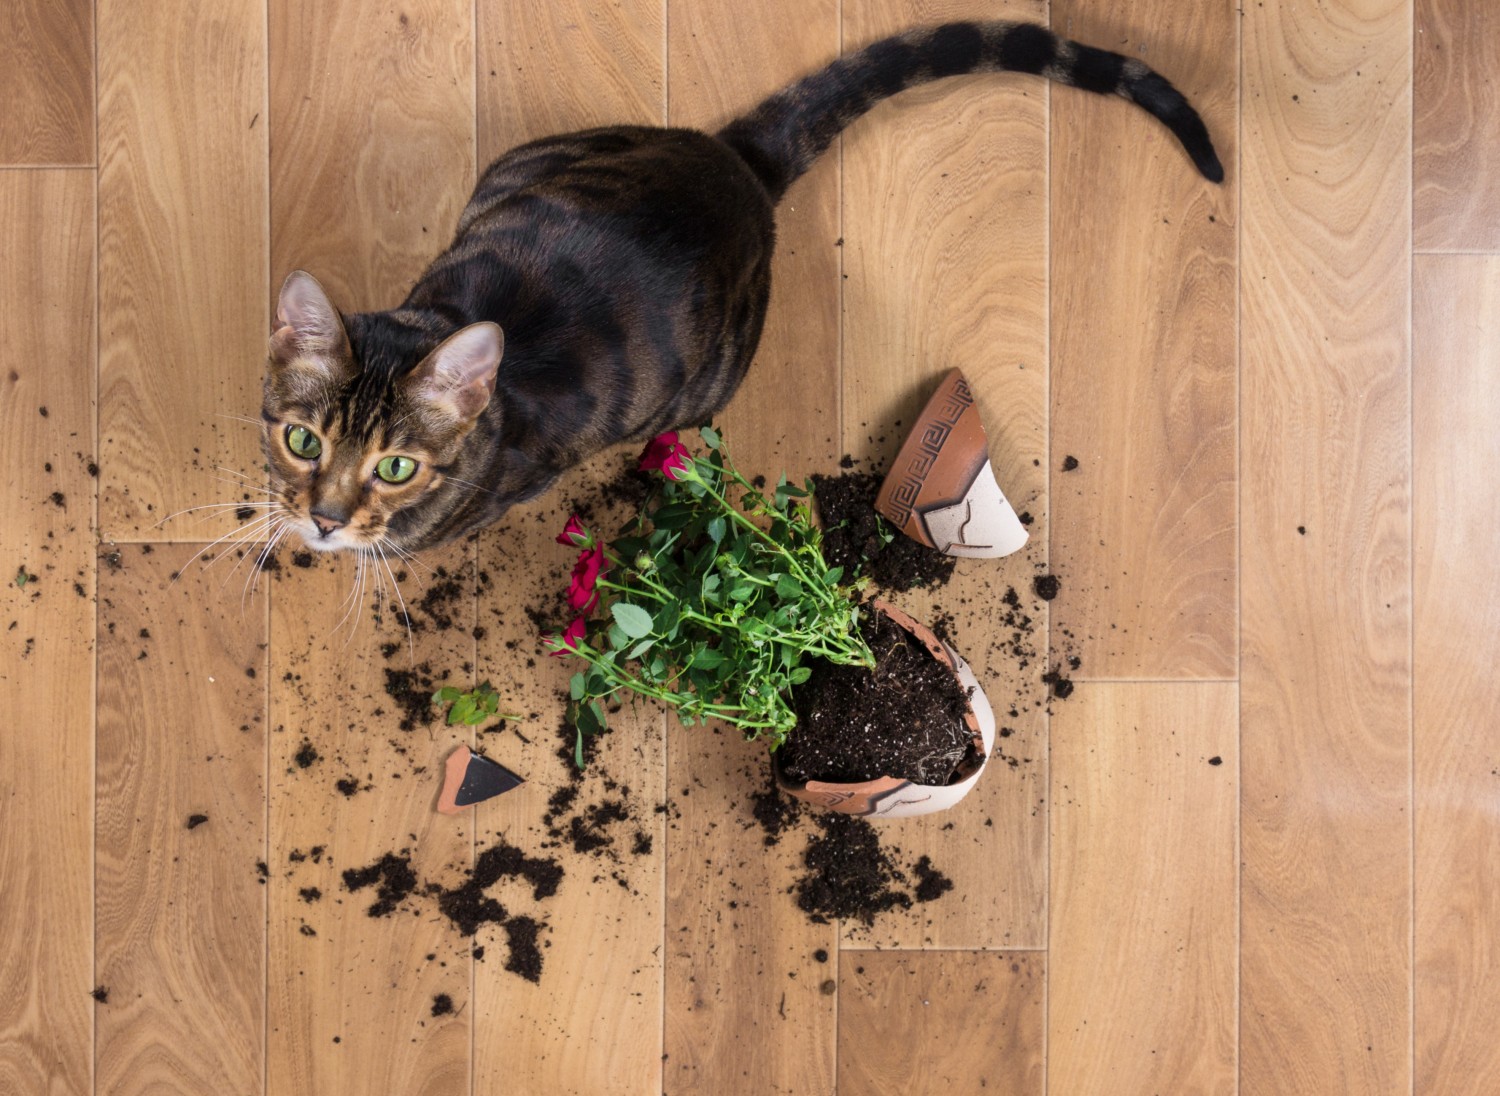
782 136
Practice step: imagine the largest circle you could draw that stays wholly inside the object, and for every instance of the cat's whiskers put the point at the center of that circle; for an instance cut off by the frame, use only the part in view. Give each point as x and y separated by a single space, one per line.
252 580
214 506
239 418
396 586
408 558
354 600
276 527
246 534
469 483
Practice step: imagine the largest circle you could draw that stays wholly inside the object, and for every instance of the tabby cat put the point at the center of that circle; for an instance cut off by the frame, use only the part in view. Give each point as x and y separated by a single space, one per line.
602 286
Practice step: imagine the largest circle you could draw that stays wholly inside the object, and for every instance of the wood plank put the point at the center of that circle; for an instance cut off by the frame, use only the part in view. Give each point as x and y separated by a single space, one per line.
1456 389
1456 127
47 82
46 656
945 241
373 158
1143 363
594 1023
179 903
1145 799
951 1021
350 996
182 259
612 54
1326 601
740 974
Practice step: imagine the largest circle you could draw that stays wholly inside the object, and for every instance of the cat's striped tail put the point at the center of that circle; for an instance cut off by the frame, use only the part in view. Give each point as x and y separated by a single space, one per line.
782 136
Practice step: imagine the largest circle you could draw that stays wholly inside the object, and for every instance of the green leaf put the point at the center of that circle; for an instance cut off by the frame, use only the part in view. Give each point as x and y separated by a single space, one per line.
708 659
446 694
710 437
578 749
640 648
799 675
618 637
788 587
632 619
833 576
575 686
716 530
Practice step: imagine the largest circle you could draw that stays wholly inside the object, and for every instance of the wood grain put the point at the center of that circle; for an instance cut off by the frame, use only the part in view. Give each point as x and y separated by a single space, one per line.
180 906
47 82
1141 961
741 975
350 996
613 55
182 259
46 654
594 1024
1456 127
373 158
1143 360
1326 602
945 241
953 1022
1456 391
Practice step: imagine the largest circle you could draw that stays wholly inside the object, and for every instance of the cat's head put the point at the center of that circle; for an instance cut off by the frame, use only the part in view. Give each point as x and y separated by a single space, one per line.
358 430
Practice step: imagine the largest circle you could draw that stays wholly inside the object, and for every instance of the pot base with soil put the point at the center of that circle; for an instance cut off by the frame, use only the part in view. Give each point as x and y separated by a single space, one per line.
910 737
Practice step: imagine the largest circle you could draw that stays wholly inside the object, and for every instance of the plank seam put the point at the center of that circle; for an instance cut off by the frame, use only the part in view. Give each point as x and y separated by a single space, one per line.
1411 565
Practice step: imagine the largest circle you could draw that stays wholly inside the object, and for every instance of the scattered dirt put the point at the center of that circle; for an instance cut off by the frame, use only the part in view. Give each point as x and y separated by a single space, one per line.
306 756
196 820
848 875
101 994
1046 586
393 878
442 1005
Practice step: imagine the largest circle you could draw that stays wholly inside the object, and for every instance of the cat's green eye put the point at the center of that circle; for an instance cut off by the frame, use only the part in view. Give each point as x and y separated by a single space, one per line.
303 442
396 469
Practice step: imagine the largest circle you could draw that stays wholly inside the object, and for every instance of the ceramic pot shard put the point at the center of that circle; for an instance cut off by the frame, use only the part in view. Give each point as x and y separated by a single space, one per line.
941 490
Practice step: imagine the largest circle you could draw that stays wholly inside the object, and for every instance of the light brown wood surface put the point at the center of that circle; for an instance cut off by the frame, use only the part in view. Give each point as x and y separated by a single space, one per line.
1326 612
941 1021
47 82
1141 958
180 909
1456 459
945 247
1456 126
349 1003
182 260
1316 914
1143 362
46 655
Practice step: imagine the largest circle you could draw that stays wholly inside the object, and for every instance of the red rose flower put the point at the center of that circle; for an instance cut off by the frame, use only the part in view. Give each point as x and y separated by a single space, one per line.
582 594
575 535
569 640
665 454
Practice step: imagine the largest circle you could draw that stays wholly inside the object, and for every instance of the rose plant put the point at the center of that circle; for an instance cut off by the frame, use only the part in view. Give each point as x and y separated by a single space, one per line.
709 603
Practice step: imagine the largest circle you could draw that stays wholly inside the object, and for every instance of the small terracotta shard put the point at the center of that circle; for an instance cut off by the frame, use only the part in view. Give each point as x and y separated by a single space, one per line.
472 778
941 491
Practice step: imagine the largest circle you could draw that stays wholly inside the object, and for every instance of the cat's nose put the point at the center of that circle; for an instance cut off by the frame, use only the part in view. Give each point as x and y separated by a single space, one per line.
326 523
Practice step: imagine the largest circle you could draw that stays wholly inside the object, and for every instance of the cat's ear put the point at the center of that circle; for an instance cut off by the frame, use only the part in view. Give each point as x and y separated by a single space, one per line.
307 324
458 378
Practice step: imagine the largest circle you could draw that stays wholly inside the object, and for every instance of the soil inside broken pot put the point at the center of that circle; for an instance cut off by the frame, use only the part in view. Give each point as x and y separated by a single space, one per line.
904 718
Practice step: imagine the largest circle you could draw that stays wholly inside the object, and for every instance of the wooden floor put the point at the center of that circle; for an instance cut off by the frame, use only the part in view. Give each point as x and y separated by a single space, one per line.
1255 851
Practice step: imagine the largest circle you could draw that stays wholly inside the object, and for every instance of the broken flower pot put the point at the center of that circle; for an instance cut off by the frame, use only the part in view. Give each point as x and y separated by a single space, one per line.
941 490
896 797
